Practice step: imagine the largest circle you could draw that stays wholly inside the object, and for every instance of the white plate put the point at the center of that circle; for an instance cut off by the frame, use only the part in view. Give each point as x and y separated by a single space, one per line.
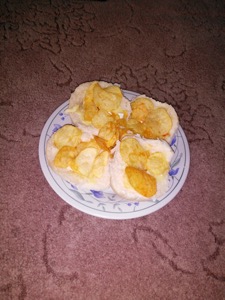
106 204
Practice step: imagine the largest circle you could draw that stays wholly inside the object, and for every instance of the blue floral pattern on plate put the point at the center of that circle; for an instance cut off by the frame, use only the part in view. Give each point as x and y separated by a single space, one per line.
107 204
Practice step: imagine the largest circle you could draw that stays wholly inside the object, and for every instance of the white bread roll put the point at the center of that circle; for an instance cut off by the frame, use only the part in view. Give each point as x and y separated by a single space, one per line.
119 182
68 174
77 99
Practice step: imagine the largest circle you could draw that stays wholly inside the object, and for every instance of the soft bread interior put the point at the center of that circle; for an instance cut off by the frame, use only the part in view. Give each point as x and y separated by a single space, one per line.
68 174
117 170
172 113
77 98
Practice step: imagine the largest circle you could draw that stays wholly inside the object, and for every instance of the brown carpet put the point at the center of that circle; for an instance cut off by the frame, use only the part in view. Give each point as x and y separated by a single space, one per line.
173 51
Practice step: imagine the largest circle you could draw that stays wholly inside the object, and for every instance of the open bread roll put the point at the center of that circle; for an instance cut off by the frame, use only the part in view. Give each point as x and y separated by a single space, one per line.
153 119
76 157
139 169
95 103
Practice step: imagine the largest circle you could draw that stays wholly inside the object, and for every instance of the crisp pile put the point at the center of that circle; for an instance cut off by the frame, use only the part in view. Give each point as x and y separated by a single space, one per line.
114 142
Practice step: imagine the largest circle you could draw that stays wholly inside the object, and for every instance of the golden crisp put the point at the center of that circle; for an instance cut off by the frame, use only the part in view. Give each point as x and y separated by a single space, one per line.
65 156
67 135
159 122
139 160
157 164
90 144
141 108
101 118
109 133
90 109
141 181
135 126
107 99
99 164
84 161
129 146
101 143
89 112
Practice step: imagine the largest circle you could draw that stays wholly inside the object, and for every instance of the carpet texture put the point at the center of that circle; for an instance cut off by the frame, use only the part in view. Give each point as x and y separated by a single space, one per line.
173 51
